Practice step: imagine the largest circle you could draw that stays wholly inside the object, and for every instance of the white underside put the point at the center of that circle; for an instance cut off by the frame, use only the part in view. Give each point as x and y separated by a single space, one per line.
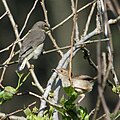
33 55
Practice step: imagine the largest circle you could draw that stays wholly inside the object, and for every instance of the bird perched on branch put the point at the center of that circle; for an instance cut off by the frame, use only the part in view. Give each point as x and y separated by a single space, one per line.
81 84
32 44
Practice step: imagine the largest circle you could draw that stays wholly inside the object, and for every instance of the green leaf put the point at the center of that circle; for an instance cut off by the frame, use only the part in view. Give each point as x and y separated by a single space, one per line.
51 110
31 115
27 112
20 80
35 110
71 93
1 94
83 113
69 90
7 94
115 116
116 89
10 90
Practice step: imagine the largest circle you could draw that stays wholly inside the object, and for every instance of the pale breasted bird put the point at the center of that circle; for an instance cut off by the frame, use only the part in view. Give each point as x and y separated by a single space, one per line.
81 83
32 44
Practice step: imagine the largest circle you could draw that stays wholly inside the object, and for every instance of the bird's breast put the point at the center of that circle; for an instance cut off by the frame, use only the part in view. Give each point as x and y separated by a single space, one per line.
38 51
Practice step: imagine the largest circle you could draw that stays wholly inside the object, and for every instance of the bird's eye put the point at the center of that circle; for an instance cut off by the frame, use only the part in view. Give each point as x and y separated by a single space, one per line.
61 70
46 27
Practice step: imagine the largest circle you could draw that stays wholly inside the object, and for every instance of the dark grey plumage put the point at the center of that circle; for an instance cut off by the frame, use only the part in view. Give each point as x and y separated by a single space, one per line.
33 43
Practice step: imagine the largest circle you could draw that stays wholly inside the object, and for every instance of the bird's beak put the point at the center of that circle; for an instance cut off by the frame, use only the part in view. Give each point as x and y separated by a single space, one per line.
54 70
47 28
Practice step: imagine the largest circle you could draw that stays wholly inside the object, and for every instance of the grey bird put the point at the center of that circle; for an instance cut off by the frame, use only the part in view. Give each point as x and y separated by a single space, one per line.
32 44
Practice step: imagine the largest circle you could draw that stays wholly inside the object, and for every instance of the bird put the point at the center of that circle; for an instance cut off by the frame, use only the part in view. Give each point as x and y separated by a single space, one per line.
32 44
82 83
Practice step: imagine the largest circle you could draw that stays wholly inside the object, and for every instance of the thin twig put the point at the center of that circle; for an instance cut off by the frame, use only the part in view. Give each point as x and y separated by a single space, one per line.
87 56
28 16
16 33
63 63
89 19
101 117
74 9
2 16
12 51
11 117
49 33
49 102
61 23
113 21
70 16
54 50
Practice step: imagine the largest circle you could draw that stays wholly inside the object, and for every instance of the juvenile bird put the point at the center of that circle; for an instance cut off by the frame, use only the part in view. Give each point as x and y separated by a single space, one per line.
32 44
81 84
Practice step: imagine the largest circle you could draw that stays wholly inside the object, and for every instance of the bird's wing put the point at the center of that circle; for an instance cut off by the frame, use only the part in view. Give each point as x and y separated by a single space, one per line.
31 41
82 83
84 77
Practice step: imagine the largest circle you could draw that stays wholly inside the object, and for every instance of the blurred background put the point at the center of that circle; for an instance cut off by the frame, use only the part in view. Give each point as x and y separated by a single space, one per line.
58 10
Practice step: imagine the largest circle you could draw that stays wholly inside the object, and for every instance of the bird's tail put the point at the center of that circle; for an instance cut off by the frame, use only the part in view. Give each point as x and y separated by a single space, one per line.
22 64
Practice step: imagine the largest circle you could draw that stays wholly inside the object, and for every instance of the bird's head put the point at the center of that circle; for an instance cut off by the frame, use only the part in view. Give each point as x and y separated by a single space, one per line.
42 25
61 72
64 76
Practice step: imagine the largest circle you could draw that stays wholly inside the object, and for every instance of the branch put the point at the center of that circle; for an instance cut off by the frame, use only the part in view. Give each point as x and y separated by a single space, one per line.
63 63
49 33
2 16
70 16
12 51
3 116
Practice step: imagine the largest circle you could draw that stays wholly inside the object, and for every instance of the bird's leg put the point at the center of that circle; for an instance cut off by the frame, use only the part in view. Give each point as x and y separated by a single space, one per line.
81 98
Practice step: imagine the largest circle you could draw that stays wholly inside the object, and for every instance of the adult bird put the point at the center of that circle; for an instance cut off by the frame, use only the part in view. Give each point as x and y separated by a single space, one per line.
81 83
32 44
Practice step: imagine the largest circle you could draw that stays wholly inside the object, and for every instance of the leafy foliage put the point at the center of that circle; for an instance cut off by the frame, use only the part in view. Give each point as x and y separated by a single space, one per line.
33 115
72 111
115 89
8 92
